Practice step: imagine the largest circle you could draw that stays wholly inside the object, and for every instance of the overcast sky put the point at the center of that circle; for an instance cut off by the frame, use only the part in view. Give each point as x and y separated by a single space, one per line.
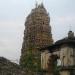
12 17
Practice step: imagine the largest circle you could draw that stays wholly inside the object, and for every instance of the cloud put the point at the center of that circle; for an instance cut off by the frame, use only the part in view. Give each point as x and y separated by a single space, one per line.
11 36
61 26
12 18
66 19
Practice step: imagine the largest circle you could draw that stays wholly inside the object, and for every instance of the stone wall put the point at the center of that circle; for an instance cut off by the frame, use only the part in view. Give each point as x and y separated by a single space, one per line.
10 68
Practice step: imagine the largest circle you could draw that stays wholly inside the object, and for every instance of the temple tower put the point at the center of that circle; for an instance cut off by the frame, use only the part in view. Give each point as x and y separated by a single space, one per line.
37 34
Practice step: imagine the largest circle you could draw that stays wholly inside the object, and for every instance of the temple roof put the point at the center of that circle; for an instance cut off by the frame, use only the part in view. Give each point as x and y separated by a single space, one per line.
67 40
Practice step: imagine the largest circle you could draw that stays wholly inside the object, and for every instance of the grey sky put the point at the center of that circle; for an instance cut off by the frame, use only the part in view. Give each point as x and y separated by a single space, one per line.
12 17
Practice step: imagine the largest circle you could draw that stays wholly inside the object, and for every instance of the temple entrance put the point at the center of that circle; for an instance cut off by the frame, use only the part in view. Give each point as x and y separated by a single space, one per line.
53 65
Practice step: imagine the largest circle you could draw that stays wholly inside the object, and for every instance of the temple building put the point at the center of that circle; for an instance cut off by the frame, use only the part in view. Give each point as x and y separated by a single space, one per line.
61 56
37 34
40 55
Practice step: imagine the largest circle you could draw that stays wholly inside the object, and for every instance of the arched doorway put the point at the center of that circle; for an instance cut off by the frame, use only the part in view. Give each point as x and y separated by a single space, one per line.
53 65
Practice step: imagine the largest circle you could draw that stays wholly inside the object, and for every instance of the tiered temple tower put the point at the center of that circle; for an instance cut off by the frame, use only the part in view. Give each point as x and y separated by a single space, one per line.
37 34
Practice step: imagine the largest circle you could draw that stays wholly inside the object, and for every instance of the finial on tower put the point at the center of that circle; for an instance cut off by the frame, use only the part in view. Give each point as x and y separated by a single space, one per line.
70 33
36 3
39 2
